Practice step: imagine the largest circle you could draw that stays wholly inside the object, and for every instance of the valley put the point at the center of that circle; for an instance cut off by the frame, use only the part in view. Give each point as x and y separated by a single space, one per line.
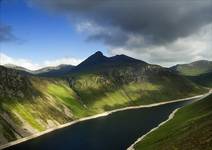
33 103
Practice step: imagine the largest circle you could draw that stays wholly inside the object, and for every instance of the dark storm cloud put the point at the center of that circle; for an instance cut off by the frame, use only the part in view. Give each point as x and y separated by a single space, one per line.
6 33
159 22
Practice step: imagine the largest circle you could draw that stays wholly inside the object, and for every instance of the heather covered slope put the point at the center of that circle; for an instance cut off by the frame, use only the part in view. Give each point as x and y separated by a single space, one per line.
191 128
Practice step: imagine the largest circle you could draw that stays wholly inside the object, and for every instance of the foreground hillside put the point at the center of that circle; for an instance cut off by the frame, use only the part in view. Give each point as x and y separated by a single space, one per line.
30 104
191 128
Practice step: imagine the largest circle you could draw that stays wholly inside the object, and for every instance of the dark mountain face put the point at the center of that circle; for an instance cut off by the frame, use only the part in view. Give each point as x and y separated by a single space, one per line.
98 62
203 79
14 84
194 69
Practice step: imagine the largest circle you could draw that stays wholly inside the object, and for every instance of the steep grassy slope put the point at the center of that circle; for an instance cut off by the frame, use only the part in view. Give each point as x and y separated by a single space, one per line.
30 104
191 128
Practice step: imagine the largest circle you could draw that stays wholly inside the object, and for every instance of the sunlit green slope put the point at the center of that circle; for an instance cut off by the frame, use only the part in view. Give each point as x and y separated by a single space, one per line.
190 129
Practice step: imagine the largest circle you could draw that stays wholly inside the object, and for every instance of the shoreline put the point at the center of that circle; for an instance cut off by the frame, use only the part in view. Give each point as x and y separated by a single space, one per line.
171 116
98 116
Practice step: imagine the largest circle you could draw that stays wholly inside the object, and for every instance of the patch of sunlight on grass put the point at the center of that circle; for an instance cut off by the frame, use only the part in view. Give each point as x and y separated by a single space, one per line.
66 95
24 111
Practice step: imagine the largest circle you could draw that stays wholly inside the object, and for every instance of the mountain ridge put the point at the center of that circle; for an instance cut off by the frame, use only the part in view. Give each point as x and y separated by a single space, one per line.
194 68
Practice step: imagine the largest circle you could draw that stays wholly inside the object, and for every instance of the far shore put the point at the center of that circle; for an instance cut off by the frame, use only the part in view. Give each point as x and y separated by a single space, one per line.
97 116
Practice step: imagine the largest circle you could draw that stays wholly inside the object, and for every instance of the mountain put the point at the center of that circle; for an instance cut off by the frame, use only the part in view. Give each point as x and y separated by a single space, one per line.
194 69
33 103
57 71
98 62
105 83
191 128
199 72
20 69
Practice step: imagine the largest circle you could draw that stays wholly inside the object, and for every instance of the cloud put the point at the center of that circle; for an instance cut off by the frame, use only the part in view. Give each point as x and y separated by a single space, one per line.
162 31
195 47
6 33
4 59
159 21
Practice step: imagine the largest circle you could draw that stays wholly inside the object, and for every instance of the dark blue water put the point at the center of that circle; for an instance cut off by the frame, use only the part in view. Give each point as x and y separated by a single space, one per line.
114 132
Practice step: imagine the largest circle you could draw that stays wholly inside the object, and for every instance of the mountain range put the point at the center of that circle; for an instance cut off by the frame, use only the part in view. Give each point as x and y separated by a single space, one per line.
33 101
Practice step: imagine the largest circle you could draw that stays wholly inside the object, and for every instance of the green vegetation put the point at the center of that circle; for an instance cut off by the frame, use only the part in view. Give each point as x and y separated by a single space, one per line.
101 92
194 69
191 128
63 93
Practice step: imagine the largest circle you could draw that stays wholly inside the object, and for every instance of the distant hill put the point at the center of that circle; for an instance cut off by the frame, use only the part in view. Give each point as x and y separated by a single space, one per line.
199 72
57 71
19 68
194 69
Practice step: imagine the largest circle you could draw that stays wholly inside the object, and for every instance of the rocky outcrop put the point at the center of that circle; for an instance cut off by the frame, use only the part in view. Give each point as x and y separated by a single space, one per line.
14 85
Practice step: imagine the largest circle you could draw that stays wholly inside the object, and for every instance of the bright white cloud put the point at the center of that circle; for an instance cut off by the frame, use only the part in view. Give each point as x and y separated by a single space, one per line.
89 27
4 59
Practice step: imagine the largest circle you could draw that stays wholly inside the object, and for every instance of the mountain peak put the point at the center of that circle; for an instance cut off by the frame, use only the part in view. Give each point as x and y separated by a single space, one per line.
98 53
98 56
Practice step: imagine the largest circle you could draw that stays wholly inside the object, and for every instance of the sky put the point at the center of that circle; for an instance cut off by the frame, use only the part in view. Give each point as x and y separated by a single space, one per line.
38 33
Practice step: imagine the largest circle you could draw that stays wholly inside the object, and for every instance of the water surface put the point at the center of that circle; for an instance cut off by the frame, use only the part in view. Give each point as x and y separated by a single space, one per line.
114 132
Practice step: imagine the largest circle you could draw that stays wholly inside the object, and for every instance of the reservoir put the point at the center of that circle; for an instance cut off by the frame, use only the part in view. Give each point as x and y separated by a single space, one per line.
113 132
